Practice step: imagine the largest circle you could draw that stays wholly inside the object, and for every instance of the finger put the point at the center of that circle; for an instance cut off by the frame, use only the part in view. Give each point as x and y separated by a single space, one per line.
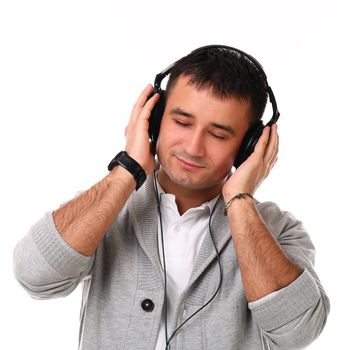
270 167
271 163
274 162
141 116
273 159
277 146
262 142
142 99
140 102
272 145
148 107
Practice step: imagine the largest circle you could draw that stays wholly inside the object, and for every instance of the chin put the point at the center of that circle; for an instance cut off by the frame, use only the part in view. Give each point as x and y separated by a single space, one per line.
192 183
203 179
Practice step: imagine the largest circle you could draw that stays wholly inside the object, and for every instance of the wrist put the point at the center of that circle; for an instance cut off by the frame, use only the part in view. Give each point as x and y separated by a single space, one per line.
238 199
122 159
227 195
120 176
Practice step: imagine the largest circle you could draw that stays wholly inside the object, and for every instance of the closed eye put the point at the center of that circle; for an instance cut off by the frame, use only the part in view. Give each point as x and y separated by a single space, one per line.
220 137
181 123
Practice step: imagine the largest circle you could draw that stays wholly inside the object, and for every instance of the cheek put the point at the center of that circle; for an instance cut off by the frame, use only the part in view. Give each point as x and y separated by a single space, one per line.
222 162
227 166
168 136
165 141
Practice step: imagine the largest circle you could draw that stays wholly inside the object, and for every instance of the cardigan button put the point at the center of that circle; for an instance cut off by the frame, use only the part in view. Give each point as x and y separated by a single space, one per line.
147 305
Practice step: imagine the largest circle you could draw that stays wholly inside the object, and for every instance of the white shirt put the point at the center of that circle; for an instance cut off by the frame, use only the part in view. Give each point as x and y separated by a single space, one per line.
183 236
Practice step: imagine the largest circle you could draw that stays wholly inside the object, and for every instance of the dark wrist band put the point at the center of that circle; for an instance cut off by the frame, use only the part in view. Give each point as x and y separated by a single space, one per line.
131 165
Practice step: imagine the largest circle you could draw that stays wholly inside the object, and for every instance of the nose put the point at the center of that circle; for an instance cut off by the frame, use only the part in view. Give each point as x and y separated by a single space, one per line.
195 144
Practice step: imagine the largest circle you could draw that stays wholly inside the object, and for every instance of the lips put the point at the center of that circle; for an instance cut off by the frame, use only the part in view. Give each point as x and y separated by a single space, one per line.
189 165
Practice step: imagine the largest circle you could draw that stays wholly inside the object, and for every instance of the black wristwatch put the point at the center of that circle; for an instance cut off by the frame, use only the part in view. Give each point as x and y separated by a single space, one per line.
131 165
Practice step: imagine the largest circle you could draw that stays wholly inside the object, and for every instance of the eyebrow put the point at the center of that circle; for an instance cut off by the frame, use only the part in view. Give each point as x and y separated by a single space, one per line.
180 111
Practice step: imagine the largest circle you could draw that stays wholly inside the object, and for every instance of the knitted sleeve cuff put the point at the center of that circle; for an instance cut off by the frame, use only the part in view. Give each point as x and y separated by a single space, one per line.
288 304
56 251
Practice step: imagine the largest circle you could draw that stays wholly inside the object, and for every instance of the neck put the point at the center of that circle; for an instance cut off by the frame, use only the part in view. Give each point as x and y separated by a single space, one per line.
187 198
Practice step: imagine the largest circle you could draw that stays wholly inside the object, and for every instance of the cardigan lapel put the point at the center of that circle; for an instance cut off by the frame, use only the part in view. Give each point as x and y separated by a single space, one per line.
221 235
145 217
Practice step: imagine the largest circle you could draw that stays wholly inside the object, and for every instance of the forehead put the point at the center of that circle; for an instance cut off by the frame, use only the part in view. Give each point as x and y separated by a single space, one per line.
200 101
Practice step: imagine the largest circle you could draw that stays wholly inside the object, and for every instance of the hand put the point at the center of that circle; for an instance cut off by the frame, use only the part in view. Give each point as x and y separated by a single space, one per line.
136 132
250 174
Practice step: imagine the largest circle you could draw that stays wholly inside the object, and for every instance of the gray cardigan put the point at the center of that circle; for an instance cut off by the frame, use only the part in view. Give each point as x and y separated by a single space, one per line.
125 270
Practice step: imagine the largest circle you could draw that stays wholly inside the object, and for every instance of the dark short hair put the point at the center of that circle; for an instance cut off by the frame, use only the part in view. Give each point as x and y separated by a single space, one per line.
227 73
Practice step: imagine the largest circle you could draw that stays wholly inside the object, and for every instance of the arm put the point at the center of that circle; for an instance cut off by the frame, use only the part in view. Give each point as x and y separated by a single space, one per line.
84 221
265 268
295 315
59 249
275 254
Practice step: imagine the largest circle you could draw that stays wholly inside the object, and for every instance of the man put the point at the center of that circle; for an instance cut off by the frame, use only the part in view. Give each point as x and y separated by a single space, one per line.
185 275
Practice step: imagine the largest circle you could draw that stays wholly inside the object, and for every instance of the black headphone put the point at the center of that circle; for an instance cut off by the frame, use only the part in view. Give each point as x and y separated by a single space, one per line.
253 134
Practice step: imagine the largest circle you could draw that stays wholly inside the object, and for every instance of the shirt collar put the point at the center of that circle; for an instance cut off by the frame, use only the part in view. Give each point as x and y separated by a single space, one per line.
209 204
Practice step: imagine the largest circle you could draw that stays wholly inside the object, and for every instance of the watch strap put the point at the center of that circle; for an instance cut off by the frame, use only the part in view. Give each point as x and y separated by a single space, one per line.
131 165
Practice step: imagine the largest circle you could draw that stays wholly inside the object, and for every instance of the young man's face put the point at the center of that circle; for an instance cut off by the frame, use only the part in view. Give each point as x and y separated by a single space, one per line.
199 137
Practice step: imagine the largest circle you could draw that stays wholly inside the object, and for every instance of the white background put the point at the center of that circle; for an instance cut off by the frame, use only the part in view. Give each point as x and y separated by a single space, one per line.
69 74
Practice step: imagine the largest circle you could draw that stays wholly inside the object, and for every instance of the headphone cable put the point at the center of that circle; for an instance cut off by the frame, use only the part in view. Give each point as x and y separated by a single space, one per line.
167 347
217 289
163 255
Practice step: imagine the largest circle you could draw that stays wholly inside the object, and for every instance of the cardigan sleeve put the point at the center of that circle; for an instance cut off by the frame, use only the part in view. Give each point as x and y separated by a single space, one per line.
45 265
294 316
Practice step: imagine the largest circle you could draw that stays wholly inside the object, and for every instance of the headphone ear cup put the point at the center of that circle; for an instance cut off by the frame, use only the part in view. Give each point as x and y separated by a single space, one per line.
250 139
155 119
